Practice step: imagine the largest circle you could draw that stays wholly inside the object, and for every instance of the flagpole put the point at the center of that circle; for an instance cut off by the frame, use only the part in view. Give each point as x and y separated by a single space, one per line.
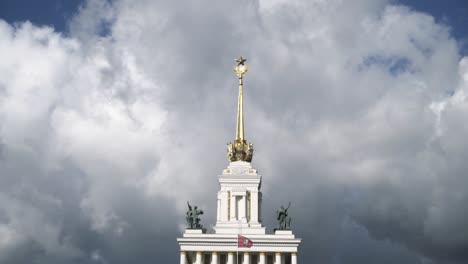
239 231
237 261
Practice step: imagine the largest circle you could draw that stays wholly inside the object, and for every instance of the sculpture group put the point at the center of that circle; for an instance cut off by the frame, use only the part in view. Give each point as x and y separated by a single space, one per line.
193 219
240 151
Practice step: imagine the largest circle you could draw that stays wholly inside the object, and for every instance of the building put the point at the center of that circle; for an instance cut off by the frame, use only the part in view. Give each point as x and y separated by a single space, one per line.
239 218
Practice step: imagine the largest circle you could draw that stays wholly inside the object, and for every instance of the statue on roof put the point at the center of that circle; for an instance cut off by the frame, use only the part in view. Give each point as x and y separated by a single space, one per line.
192 218
284 220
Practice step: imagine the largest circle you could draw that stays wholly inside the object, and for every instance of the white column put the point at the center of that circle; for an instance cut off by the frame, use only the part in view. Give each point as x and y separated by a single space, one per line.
254 206
183 257
246 258
230 259
262 258
278 258
224 206
293 258
214 258
198 260
218 211
233 208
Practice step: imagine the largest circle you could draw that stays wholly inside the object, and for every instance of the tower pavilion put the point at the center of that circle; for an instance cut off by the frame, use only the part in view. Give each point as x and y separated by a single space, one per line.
239 205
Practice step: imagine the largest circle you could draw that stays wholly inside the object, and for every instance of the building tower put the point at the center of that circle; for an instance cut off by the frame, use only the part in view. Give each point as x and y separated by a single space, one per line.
239 204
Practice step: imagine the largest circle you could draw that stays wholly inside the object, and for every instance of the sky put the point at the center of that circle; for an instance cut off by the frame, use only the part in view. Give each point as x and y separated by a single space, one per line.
114 114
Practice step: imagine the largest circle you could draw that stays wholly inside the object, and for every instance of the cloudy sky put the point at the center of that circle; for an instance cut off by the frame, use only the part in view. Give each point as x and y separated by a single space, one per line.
114 113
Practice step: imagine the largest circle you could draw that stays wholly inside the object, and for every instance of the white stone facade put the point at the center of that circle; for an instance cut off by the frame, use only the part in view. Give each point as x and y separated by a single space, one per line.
238 212
239 200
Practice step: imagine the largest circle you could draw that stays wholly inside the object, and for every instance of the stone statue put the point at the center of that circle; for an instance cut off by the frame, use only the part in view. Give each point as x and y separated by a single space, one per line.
284 221
192 218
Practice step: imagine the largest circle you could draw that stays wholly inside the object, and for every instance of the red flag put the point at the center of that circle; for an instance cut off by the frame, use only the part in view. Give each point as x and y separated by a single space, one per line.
242 241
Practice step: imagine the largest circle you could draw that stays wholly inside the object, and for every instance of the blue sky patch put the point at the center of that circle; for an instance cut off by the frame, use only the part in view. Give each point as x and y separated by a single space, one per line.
394 65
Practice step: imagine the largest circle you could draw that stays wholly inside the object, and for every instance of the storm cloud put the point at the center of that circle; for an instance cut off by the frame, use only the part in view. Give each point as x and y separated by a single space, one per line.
357 110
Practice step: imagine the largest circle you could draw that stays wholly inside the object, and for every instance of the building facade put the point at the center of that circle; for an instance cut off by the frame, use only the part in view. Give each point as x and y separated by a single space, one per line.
239 206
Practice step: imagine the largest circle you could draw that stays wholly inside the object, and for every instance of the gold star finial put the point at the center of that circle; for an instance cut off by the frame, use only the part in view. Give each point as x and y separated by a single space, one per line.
241 68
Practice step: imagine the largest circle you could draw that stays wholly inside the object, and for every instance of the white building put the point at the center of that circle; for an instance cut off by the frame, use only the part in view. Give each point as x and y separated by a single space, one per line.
239 204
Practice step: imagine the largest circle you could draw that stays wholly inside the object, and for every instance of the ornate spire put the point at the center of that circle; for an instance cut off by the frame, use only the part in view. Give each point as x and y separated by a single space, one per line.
240 69
240 150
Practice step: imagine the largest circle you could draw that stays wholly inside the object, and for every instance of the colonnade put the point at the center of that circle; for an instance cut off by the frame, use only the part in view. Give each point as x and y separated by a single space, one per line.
278 258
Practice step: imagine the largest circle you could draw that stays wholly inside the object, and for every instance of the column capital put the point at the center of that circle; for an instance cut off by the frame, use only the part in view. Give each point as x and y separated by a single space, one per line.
183 257
230 259
278 254
294 258
198 259
262 258
214 258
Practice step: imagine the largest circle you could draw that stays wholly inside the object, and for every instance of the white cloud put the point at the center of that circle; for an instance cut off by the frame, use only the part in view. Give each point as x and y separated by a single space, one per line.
350 108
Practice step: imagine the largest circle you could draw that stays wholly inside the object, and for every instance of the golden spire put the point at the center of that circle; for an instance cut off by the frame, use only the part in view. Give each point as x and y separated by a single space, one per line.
240 69
240 150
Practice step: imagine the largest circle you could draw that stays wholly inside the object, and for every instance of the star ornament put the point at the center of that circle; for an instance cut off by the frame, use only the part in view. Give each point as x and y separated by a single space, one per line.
241 61
241 68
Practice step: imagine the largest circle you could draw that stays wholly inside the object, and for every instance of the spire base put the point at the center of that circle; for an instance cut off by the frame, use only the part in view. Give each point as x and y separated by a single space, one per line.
240 150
